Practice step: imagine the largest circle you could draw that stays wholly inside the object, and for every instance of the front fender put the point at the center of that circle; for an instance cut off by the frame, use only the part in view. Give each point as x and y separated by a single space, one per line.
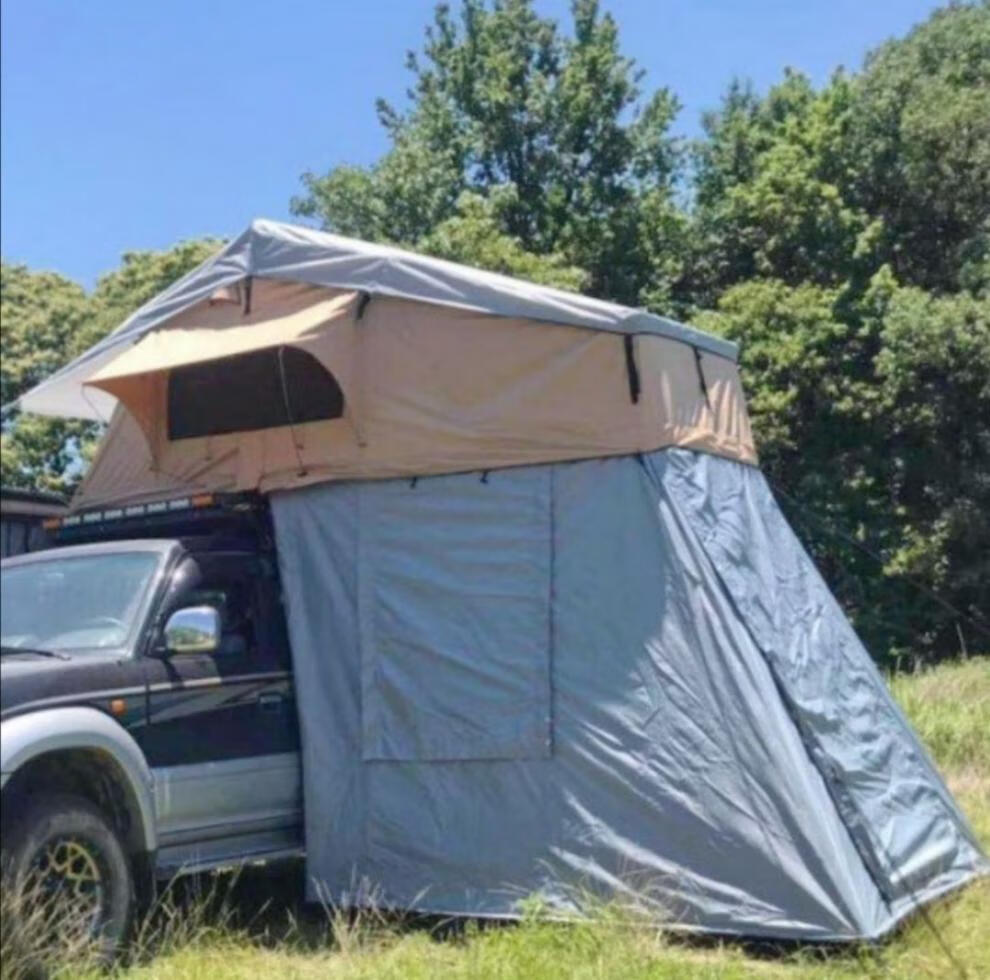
58 729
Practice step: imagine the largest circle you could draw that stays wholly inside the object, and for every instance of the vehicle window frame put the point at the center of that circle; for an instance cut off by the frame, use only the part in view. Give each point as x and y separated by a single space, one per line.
262 596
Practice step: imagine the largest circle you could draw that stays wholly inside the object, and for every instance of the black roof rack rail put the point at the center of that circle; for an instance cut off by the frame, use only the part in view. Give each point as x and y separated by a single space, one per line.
177 516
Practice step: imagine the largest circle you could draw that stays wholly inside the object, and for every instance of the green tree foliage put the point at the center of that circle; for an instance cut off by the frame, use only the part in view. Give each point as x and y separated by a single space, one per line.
919 150
47 320
473 236
888 167
932 443
549 128
770 197
42 315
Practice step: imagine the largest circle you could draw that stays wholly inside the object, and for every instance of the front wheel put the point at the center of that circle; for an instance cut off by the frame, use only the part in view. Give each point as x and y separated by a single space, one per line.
67 876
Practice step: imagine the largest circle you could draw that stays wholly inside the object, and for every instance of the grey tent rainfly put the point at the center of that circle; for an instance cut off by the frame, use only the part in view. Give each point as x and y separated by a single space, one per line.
551 632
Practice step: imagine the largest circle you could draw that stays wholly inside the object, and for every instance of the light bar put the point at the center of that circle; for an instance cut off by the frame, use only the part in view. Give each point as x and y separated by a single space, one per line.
132 511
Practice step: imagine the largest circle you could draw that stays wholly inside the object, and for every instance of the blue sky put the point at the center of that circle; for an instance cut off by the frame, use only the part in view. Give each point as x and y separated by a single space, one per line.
133 125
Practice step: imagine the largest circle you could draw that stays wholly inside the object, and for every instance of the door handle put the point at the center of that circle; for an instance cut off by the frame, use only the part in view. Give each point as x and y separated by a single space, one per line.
270 703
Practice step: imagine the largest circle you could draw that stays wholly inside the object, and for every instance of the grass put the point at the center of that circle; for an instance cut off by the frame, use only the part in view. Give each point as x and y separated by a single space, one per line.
40 935
228 936
950 709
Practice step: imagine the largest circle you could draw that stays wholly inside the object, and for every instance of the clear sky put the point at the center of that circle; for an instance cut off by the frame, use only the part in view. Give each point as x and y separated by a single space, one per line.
133 124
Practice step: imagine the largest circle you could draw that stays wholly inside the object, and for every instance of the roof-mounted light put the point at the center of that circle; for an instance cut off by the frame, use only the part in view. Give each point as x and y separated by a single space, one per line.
196 502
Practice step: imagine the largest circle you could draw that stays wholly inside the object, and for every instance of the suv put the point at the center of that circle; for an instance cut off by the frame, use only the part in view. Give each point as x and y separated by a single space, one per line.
149 723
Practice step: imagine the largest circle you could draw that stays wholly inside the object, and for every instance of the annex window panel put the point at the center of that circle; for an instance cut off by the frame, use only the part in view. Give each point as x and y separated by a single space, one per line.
262 389
454 609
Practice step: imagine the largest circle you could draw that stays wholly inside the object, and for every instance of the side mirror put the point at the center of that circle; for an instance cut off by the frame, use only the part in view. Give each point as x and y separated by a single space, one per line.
195 629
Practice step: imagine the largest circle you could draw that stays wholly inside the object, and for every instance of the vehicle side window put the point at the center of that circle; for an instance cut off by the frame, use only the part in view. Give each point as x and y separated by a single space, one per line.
244 591
233 600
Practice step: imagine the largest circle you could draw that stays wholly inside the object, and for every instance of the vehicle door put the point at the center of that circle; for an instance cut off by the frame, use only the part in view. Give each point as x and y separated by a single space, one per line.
222 735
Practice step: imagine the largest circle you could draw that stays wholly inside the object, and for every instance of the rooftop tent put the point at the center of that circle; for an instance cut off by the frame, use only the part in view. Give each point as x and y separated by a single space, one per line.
550 630
439 368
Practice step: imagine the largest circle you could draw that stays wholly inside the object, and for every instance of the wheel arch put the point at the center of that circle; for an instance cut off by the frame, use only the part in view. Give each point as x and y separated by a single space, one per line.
84 751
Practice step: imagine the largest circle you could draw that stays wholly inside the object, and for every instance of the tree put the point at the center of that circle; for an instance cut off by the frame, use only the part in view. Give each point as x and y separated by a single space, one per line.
887 167
472 236
771 194
932 436
42 314
919 150
547 128
47 321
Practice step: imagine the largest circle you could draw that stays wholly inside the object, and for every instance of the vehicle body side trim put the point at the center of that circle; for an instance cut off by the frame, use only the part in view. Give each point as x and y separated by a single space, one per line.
227 797
124 692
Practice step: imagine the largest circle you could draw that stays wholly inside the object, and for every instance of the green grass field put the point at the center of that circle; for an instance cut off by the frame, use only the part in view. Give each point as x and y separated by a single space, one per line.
950 707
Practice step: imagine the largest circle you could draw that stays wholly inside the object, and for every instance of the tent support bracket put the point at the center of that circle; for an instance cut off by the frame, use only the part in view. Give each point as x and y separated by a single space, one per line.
632 371
362 305
701 377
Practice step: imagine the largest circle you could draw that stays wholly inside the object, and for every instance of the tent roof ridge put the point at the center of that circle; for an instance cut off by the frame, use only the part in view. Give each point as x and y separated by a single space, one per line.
615 317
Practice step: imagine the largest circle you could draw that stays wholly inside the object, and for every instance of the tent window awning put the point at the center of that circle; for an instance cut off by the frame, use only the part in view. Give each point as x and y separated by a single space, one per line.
164 350
261 389
237 372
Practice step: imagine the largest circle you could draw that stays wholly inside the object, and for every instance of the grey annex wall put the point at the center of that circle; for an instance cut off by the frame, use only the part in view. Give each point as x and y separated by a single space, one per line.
619 675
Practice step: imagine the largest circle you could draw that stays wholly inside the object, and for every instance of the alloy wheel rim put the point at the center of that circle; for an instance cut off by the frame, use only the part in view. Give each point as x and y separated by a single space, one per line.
68 869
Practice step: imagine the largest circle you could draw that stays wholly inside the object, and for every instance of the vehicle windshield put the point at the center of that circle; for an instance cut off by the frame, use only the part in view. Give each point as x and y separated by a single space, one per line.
74 604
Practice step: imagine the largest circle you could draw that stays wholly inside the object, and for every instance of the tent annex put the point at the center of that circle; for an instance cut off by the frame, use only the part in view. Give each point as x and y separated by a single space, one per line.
550 630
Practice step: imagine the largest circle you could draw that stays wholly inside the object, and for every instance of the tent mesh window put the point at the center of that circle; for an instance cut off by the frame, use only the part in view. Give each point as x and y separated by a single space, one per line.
454 606
262 389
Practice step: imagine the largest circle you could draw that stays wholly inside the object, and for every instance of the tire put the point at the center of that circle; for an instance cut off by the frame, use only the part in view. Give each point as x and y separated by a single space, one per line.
60 844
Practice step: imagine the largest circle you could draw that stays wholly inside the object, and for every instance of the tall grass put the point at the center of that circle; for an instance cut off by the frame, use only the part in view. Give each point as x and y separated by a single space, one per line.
45 937
41 935
949 707
256 926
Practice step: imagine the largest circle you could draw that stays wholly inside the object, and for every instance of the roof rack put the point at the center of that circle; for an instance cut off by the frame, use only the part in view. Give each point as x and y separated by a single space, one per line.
179 515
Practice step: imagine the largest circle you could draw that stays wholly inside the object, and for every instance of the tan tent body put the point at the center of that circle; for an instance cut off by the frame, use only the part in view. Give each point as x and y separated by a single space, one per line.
428 387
